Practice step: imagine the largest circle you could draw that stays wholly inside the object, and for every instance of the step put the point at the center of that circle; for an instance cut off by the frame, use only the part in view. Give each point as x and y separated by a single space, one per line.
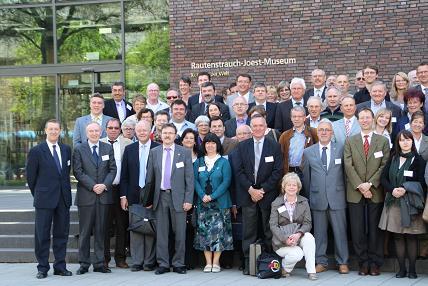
22 255
28 227
27 241
27 215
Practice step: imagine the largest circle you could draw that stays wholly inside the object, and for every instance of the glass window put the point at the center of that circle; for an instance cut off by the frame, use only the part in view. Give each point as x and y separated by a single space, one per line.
146 44
88 33
27 36
9 2
27 102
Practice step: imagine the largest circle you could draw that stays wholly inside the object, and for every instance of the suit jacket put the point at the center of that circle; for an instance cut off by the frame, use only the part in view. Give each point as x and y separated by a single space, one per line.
270 113
283 115
230 98
79 133
194 99
231 126
89 173
423 148
268 175
396 111
46 183
339 131
199 109
311 92
182 181
130 174
326 187
111 110
228 145
284 141
363 95
358 169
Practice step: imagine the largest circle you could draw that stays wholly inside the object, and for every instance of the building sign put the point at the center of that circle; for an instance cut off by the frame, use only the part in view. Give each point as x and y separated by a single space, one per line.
236 63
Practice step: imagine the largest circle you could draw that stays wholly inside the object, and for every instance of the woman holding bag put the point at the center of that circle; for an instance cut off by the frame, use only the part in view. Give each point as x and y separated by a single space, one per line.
212 180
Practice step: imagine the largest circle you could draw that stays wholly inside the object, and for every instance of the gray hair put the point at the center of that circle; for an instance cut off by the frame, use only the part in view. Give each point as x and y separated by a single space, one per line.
298 109
376 83
298 80
327 121
314 98
290 177
202 119
315 70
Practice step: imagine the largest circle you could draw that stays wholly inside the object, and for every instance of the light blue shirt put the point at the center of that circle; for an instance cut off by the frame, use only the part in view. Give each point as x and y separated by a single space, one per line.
297 144
375 107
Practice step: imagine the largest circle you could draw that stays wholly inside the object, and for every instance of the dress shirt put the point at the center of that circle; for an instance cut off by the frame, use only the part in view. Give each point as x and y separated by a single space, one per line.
351 122
386 135
92 145
118 160
290 207
261 104
318 91
302 101
246 96
262 141
369 138
164 159
314 123
240 122
98 119
417 143
375 107
328 152
58 150
222 139
160 105
181 126
121 109
297 144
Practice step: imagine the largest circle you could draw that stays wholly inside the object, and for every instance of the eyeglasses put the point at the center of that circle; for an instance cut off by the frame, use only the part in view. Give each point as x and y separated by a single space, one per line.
128 129
324 130
171 97
240 104
360 78
111 128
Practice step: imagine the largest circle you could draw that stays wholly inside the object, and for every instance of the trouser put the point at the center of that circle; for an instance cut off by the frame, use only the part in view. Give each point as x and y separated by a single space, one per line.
142 249
293 254
251 216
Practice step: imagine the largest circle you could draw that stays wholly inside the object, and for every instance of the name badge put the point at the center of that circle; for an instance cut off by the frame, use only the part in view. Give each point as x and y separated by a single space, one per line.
378 154
338 161
68 163
393 119
145 219
105 157
281 209
129 107
308 140
408 173
201 169
269 159
407 126
179 165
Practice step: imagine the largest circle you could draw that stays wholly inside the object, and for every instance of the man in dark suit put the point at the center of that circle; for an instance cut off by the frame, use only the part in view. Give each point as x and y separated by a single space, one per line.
166 164
197 97
95 169
208 94
240 106
118 107
48 177
283 109
258 169
318 79
370 74
260 94
422 75
217 127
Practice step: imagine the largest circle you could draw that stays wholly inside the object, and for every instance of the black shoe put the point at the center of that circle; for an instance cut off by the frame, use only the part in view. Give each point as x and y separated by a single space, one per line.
102 269
161 270
136 268
41 275
149 267
401 274
412 275
180 270
63 272
81 270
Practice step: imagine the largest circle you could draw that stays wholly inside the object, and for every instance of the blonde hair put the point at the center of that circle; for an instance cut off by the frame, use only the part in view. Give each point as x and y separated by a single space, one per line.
383 111
393 91
288 178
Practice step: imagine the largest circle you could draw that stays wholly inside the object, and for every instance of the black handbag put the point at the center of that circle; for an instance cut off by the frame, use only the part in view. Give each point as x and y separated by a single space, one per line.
269 265
142 220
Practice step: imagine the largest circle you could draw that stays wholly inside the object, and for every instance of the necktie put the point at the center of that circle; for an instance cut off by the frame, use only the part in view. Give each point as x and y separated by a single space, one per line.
426 91
94 154
347 127
298 103
56 158
257 156
324 157
206 109
120 111
143 157
112 141
366 145
167 170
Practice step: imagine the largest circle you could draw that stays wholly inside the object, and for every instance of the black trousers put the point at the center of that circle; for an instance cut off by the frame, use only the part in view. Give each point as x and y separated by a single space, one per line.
59 217
252 217
367 238
117 225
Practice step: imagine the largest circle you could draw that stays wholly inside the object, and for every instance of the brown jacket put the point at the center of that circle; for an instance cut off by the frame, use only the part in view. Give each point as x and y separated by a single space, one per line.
284 140
301 216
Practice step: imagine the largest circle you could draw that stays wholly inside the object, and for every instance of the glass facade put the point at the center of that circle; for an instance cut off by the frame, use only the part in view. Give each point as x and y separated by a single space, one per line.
55 53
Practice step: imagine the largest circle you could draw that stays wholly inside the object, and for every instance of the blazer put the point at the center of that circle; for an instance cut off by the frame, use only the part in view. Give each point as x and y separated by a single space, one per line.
199 109
283 115
326 187
46 183
230 98
423 148
284 141
396 111
89 173
311 92
182 181
230 127
270 113
79 133
363 95
111 110
123 142
268 175
130 172
358 169
220 178
194 99
228 145
339 131
301 216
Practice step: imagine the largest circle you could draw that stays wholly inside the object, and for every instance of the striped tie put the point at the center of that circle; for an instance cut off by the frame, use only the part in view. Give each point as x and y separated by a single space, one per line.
347 127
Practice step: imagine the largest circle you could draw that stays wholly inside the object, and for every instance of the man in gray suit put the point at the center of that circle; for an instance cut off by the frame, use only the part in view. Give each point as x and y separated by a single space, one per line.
348 125
95 169
324 181
96 105
243 84
166 164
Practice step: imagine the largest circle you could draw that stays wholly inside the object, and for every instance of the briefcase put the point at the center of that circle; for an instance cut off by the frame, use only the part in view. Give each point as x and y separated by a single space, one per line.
255 250
142 220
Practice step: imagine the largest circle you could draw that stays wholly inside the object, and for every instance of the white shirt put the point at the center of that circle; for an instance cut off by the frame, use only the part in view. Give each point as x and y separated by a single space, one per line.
160 105
314 123
318 91
263 104
294 102
97 149
98 119
369 138
417 143
163 161
328 152
375 107
121 109
117 159
58 150
246 96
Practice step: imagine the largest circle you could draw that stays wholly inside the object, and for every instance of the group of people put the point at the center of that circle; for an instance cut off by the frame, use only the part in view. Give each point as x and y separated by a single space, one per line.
283 168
